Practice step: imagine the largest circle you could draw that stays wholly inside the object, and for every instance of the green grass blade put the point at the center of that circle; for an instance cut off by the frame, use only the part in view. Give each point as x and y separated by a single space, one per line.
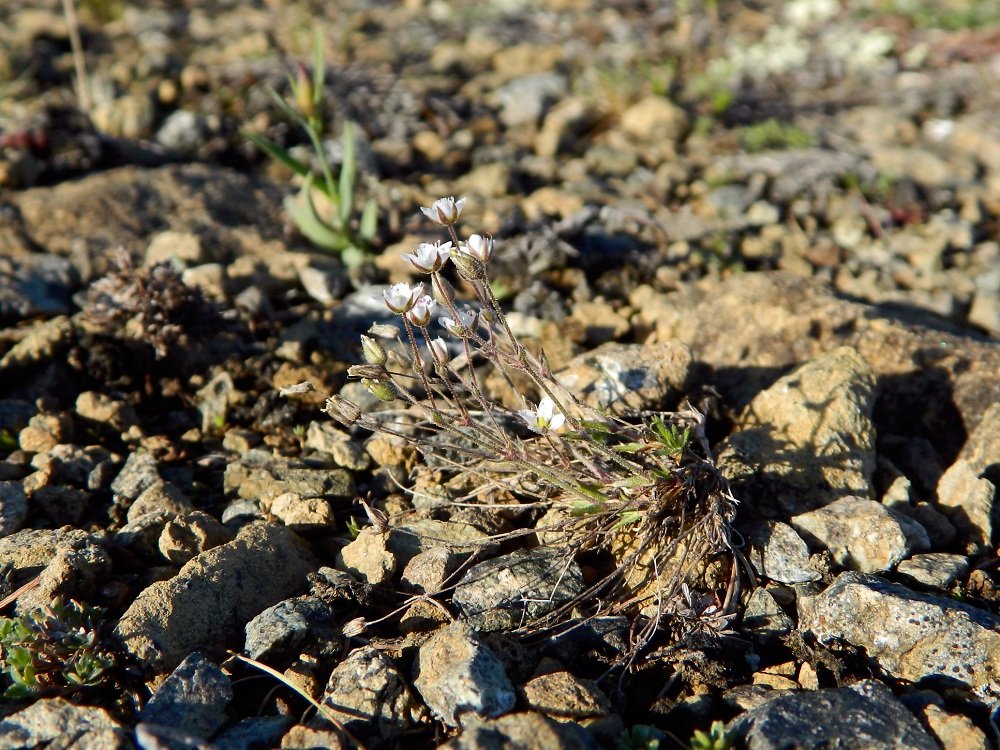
348 171
276 152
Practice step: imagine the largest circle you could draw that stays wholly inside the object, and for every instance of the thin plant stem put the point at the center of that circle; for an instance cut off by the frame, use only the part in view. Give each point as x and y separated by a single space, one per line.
83 95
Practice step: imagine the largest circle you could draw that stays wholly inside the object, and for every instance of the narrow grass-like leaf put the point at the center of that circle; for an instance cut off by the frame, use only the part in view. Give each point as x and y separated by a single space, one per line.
369 221
276 152
348 172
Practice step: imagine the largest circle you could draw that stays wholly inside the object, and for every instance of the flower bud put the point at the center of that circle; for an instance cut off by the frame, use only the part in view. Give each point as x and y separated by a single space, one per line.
469 268
373 351
304 93
444 292
379 389
439 349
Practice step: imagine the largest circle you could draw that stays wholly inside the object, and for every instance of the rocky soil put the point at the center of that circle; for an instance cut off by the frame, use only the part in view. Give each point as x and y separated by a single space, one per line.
785 213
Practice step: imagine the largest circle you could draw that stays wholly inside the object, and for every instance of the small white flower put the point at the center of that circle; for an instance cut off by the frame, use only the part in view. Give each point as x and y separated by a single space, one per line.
544 418
444 211
420 313
401 297
465 325
478 247
429 257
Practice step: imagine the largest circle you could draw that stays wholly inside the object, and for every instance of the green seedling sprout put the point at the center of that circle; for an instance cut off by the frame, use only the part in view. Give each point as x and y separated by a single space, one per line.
336 230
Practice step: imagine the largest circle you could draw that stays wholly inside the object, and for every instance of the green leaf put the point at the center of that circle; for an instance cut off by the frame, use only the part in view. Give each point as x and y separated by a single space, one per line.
277 153
302 212
18 692
630 447
628 518
353 527
592 490
348 171
369 221
634 481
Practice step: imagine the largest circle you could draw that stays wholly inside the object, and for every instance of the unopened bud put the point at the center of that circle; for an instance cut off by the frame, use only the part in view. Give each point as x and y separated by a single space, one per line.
444 292
379 389
373 351
304 93
469 268
439 349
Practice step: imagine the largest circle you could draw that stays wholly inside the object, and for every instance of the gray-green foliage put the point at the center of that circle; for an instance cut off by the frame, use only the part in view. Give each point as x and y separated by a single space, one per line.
54 650
336 229
716 738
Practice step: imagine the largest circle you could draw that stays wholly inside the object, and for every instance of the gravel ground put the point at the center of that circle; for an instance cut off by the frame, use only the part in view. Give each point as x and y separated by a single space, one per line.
783 213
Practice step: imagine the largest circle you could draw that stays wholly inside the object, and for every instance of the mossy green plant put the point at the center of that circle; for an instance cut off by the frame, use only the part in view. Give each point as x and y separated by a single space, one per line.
774 134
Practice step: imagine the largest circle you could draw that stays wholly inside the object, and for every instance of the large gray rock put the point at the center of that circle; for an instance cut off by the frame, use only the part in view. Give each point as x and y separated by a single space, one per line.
862 534
367 559
795 319
30 550
982 449
460 677
370 698
193 699
259 476
233 214
934 570
207 604
779 553
968 500
76 569
863 716
508 591
912 636
808 439
628 377
967 490
13 507
277 633
52 721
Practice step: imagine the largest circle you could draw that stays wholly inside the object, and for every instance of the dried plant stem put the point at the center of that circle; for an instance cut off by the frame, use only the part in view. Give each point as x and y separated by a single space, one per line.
83 95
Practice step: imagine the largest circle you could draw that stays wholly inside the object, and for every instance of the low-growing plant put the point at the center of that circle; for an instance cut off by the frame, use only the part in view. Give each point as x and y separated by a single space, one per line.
335 228
55 650
643 495
774 134
716 738
148 307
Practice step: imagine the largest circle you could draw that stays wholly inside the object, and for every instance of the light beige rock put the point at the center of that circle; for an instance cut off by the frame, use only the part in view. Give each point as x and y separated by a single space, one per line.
808 439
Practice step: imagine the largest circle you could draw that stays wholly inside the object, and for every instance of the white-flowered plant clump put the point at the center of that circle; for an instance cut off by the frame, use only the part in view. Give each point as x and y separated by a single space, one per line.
641 491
